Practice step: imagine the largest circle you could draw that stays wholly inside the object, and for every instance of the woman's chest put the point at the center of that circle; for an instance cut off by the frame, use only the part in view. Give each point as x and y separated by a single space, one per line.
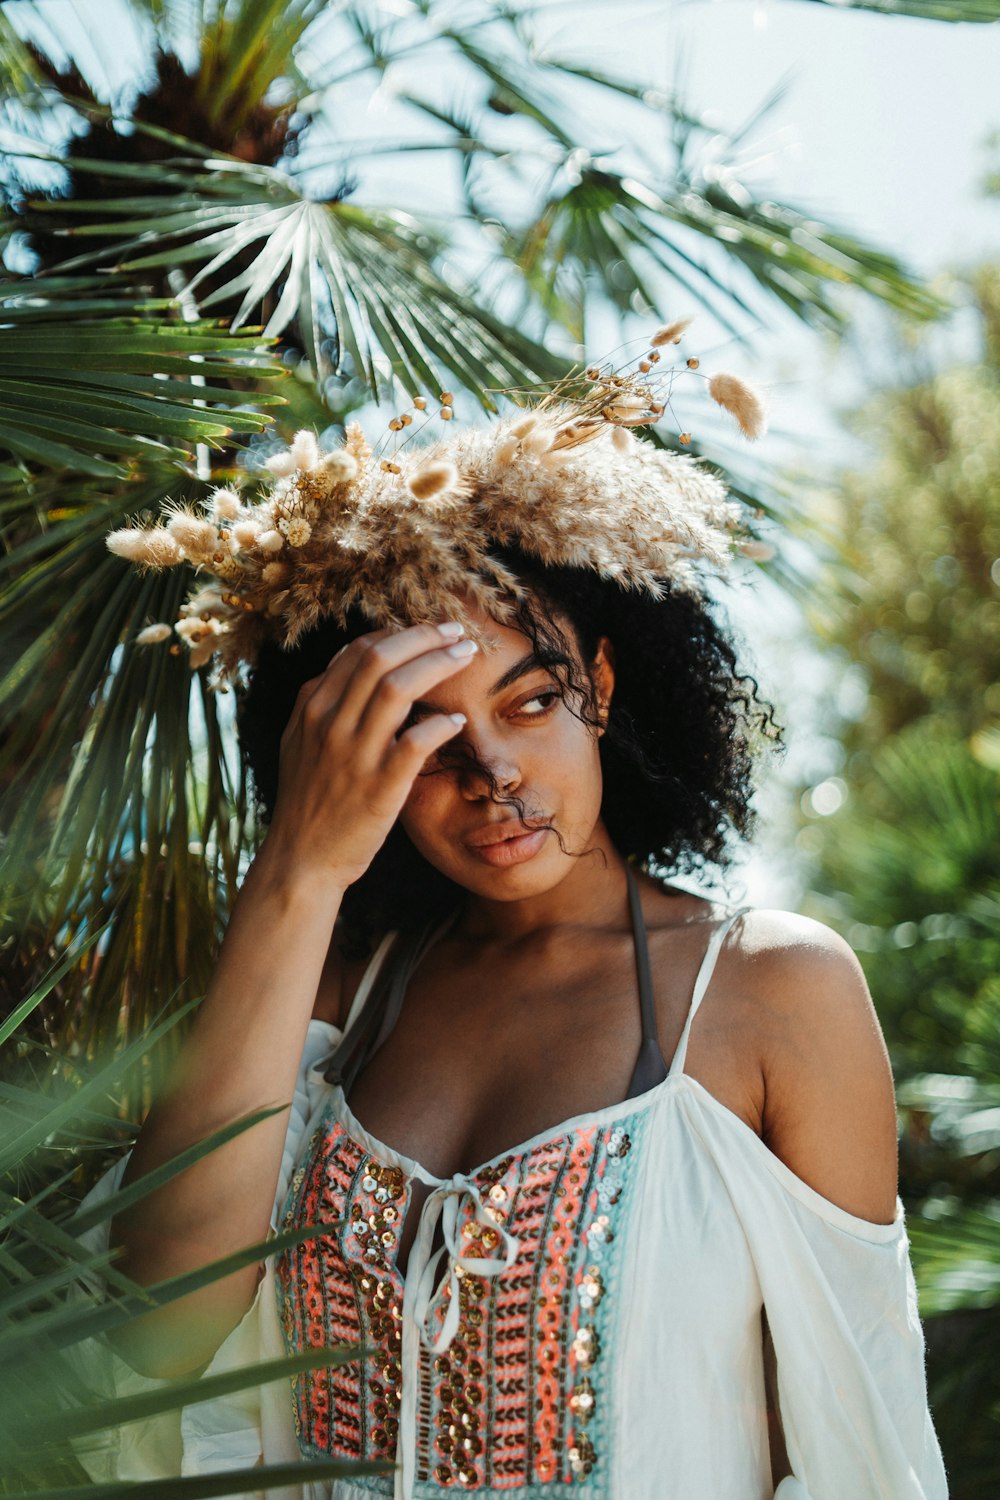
477 1062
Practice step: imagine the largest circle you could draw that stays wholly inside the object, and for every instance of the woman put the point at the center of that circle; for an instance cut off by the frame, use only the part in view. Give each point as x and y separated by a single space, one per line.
581 1144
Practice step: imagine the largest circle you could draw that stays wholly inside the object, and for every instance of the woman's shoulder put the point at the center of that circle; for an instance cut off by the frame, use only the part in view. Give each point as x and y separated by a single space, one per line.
796 961
807 987
829 1109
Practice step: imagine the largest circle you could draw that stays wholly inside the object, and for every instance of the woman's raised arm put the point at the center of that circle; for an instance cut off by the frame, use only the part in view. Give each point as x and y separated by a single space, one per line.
347 765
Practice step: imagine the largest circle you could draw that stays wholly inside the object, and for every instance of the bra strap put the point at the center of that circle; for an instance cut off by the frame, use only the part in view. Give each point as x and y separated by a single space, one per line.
703 980
650 1069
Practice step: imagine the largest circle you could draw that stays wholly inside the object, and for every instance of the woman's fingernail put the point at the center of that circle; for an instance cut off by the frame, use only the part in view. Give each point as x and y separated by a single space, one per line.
457 719
463 648
451 628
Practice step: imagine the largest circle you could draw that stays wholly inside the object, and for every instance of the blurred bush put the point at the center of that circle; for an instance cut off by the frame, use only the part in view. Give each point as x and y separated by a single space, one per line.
908 864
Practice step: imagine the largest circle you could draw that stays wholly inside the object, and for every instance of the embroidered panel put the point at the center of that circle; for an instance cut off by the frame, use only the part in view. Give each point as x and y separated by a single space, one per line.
344 1288
537 1328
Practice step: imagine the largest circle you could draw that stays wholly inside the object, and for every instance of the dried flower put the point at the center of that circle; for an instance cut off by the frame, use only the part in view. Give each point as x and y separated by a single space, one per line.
297 530
192 628
201 652
670 333
245 534
627 408
742 401
225 504
340 466
154 634
431 479
305 450
154 548
537 441
281 465
193 533
356 444
565 479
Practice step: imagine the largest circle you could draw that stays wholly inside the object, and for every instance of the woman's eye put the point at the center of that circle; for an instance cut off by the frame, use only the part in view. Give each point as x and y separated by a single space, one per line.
538 705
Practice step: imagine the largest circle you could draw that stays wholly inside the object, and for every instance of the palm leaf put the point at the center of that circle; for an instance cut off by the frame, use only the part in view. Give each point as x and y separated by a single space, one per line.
49 1307
90 392
981 12
371 268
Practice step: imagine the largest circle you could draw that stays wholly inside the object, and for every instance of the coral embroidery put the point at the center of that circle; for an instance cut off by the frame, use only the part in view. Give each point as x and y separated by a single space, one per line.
513 1396
343 1288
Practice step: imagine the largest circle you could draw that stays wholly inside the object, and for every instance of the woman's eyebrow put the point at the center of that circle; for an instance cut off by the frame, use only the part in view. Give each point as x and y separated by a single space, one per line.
534 661
542 661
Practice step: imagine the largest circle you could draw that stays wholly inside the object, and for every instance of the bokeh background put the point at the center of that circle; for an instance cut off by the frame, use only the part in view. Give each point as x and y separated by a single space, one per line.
224 220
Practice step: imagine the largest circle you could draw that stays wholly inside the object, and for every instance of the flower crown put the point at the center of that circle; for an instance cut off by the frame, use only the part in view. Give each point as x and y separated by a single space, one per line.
407 536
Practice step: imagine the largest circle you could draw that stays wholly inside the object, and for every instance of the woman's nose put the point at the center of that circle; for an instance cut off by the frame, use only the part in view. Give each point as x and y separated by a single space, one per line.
489 774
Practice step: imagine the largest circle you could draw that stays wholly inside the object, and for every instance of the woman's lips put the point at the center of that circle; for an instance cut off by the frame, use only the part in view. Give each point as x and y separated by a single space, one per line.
513 851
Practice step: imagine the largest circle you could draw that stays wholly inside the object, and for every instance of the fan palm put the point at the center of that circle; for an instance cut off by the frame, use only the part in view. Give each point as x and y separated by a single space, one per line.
204 252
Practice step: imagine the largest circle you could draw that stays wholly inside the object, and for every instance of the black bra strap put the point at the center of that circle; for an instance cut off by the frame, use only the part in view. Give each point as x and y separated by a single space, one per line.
650 1067
382 1007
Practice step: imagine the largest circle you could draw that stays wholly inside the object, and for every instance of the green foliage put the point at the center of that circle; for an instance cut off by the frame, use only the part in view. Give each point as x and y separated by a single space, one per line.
61 1293
921 529
909 868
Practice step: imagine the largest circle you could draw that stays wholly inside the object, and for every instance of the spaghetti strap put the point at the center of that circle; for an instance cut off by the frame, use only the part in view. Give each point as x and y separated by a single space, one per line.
377 1012
702 981
368 978
650 1068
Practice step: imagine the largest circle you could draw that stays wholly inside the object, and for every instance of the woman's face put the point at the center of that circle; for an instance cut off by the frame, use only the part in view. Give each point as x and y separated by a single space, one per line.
540 753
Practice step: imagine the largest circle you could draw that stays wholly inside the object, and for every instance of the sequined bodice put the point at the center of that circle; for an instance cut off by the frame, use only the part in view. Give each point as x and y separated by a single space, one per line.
506 1320
488 1363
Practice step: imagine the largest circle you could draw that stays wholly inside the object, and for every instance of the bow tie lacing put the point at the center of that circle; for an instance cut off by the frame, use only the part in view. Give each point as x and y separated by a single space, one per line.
466 1247
468 1243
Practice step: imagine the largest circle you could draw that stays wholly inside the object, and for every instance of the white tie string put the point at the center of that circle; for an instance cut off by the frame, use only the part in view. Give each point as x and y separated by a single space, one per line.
421 1293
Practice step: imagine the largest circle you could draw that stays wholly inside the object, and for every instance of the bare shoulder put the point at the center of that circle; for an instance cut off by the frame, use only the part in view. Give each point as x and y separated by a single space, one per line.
829 1110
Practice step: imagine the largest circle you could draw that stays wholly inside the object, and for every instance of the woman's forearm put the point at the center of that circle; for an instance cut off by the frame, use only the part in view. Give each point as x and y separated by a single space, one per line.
241 1056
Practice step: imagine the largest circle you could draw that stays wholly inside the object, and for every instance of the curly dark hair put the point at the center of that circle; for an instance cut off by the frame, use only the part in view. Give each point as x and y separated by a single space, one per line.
677 755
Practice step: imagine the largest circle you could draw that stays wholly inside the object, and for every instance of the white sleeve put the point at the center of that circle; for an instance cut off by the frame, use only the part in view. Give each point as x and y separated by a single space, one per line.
850 1354
842 1309
234 1431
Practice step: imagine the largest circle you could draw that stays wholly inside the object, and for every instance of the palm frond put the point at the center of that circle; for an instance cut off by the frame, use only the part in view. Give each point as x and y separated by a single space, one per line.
60 1292
979 12
327 271
84 386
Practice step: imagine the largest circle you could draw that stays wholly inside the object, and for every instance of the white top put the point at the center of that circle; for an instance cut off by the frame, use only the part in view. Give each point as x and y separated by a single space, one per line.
684 1227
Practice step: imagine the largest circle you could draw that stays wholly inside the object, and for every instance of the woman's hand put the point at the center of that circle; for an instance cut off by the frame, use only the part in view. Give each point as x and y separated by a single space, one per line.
347 764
